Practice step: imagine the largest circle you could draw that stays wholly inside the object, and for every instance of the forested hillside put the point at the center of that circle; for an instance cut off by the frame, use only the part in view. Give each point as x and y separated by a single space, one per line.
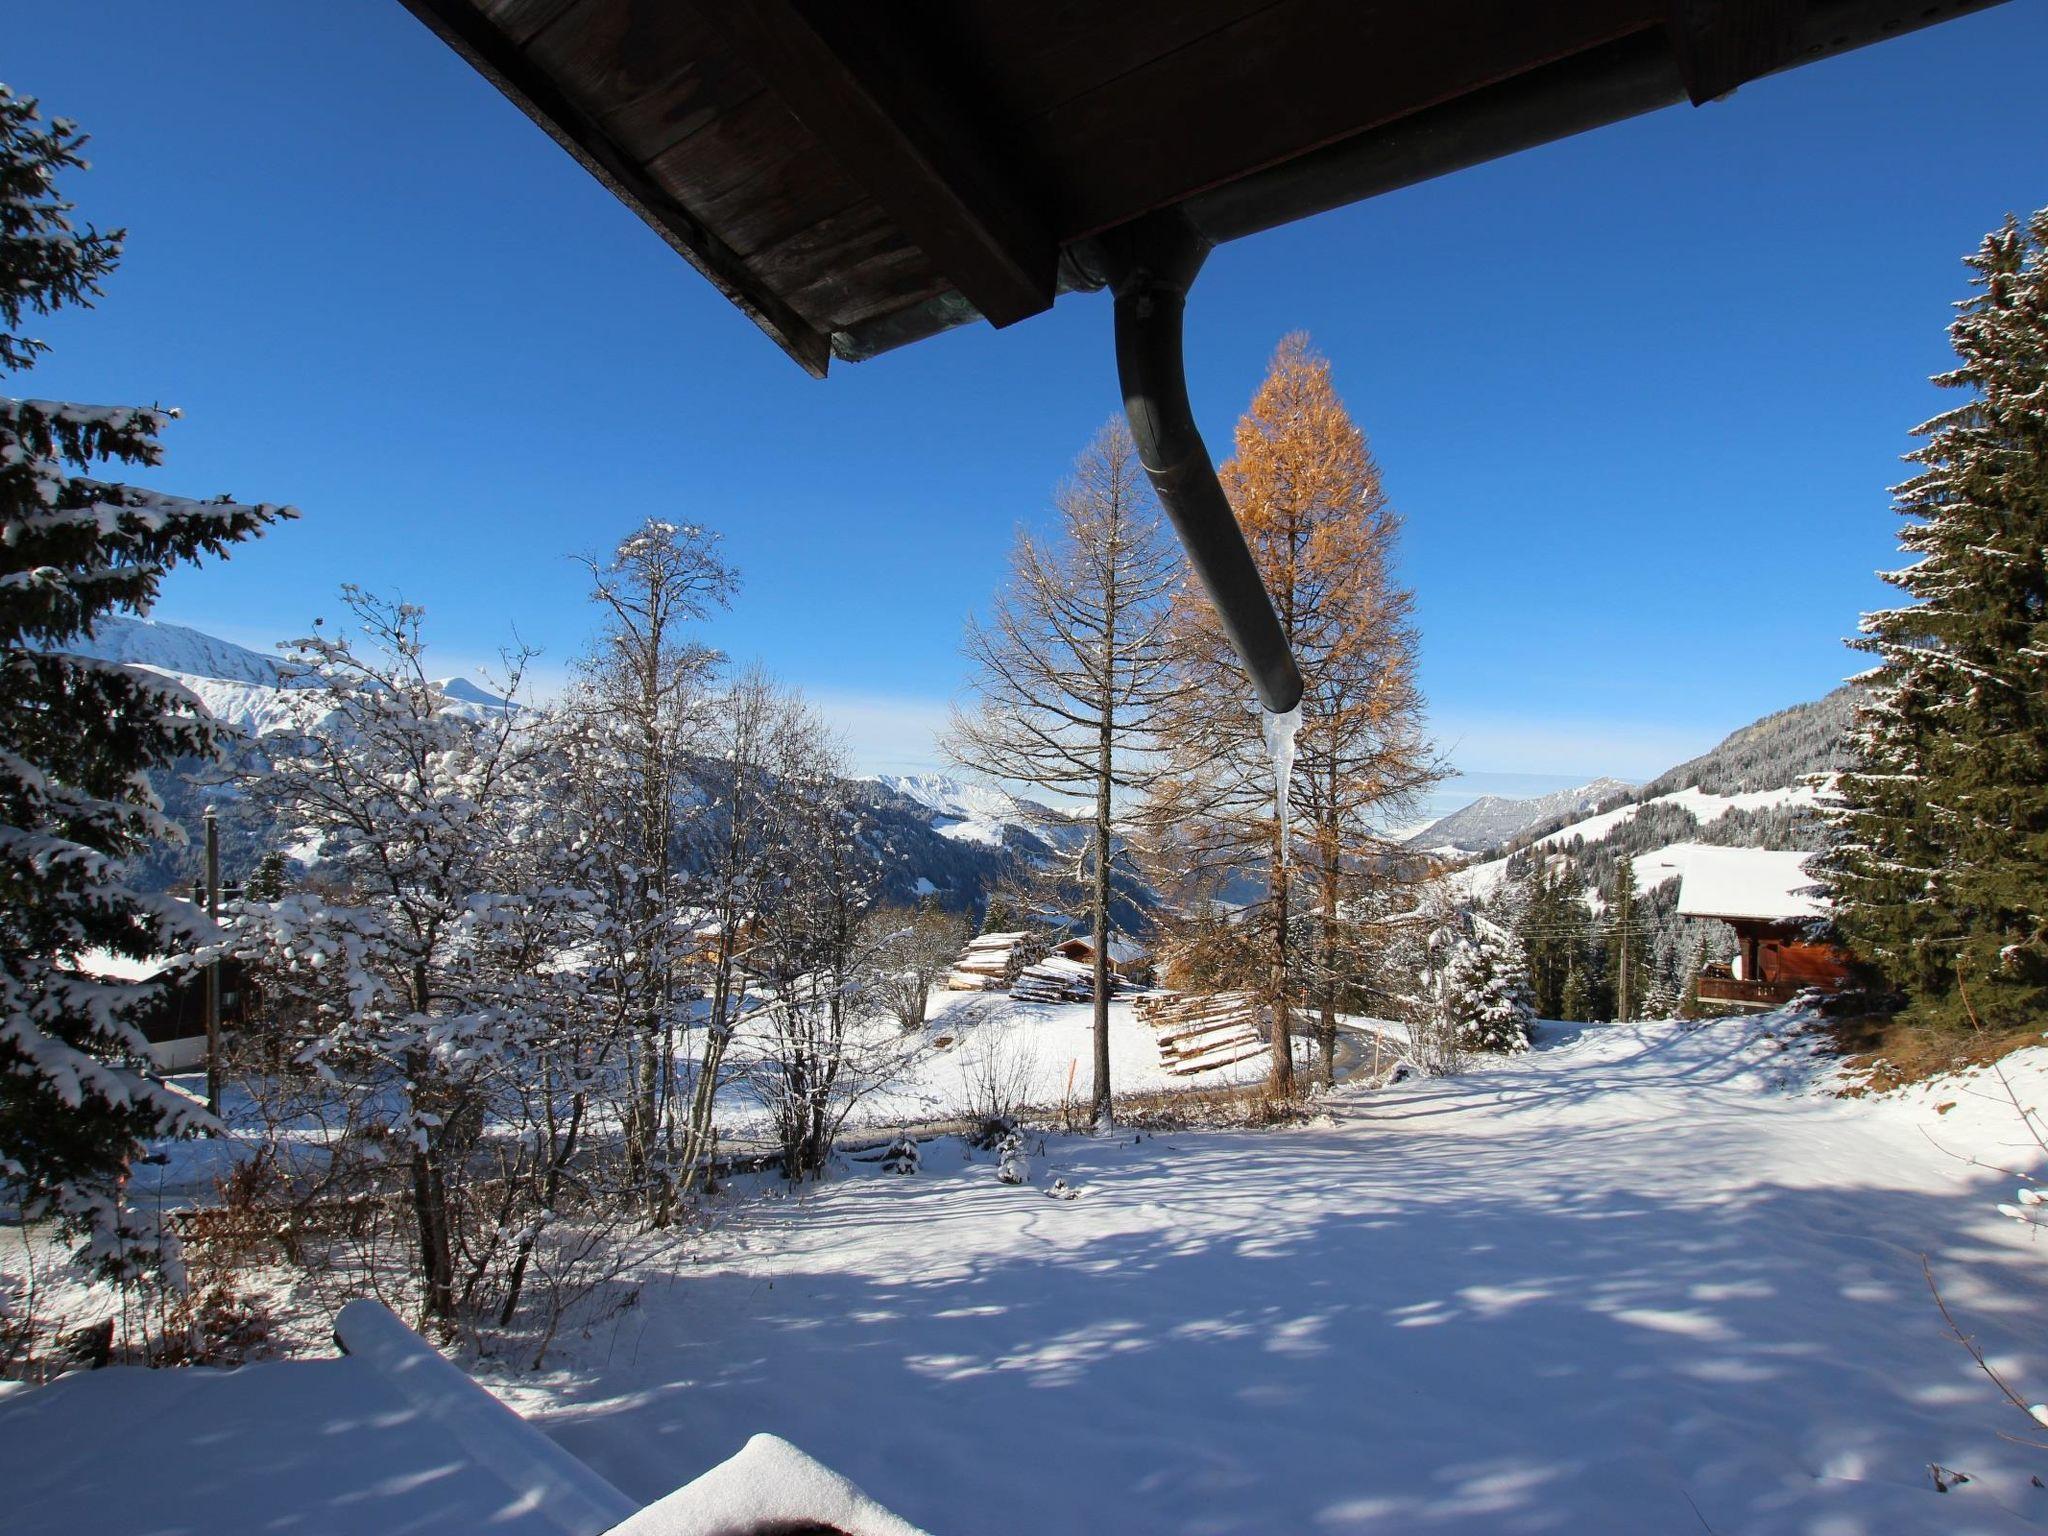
1758 788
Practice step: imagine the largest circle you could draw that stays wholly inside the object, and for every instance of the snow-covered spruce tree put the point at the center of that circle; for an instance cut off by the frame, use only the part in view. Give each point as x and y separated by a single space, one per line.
78 737
1485 991
422 948
1940 868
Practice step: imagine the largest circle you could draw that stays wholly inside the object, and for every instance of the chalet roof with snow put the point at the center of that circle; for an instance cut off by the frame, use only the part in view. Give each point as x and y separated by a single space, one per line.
1749 885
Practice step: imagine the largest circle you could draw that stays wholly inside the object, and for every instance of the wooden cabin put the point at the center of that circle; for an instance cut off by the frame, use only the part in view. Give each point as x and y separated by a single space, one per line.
174 1019
1127 959
1772 903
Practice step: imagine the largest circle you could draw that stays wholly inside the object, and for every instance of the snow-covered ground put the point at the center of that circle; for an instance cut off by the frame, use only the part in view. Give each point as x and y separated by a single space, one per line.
1040 1052
1645 1278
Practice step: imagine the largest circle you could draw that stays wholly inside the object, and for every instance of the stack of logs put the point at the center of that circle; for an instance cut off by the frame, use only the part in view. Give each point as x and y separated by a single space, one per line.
1056 979
1204 1030
984 966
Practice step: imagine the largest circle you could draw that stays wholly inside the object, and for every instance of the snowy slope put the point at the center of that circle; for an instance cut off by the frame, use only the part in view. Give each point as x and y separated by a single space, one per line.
976 813
247 689
1705 808
1493 820
970 813
1642 1279
172 648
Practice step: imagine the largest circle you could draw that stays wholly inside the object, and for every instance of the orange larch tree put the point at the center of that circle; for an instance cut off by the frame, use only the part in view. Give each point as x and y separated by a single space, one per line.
1308 494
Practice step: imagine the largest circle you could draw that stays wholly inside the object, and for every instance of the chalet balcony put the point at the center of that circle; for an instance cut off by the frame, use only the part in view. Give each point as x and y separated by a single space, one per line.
1719 988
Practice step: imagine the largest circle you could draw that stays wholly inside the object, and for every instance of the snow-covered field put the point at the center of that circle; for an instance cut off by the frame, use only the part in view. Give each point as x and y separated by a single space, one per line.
1040 1051
1644 1279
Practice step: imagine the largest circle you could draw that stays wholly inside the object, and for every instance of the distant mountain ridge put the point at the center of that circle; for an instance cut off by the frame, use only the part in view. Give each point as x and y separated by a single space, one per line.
1493 820
246 689
930 835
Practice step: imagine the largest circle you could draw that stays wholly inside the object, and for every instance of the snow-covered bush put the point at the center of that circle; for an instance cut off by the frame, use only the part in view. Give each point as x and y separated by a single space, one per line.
903 1156
998 1072
1015 1165
430 955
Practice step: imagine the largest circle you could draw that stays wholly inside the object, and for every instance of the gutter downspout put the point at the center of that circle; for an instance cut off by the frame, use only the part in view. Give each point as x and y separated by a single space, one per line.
1150 264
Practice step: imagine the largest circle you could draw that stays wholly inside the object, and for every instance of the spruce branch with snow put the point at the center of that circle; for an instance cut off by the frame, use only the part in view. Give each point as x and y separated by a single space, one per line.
78 737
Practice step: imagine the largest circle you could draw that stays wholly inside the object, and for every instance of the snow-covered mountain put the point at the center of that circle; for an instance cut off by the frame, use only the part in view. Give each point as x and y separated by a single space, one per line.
244 688
181 652
1758 788
975 813
929 834
1494 820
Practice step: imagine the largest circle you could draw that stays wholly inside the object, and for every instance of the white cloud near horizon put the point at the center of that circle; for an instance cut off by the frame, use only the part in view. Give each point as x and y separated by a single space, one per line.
1574 749
887 733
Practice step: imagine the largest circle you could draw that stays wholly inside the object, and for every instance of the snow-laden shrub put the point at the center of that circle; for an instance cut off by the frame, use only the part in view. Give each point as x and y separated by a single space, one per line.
902 1156
1015 1167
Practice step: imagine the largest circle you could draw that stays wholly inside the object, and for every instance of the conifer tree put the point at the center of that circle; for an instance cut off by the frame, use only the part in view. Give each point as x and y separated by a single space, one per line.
1485 990
1308 495
79 736
1552 935
1576 1004
1940 870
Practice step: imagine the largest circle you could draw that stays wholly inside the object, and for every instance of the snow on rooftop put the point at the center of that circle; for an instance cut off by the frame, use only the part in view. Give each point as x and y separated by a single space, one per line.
769 1486
1758 883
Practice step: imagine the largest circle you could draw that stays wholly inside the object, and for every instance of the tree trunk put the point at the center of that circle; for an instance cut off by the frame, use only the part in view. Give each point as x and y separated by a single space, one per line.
1102 1110
1326 1033
1282 1083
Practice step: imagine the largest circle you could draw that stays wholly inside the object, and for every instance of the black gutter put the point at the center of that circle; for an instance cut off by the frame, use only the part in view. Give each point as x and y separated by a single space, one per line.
1150 265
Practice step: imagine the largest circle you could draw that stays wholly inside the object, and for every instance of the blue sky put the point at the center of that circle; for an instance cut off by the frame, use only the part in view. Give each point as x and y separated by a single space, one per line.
1639 395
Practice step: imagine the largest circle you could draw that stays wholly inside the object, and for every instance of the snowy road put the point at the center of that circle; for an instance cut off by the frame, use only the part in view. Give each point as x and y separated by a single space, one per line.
1640 1280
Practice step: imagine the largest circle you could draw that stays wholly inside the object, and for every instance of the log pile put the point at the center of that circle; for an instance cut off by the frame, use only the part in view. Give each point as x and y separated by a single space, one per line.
1056 979
984 965
1205 1030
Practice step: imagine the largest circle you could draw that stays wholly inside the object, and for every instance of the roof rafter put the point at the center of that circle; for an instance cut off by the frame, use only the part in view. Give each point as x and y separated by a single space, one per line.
840 70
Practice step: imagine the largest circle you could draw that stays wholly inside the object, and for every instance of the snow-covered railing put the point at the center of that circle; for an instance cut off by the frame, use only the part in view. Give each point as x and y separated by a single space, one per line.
548 1480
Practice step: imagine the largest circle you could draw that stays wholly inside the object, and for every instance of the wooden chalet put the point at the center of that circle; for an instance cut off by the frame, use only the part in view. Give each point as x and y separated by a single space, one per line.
1127 959
1770 901
860 177
173 1021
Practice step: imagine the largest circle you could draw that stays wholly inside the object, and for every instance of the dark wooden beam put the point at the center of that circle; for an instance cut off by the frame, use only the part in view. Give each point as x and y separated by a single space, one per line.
842 71
1723 43
498 60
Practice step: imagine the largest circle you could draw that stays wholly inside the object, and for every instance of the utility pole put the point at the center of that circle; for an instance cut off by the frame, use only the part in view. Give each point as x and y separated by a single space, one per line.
212 967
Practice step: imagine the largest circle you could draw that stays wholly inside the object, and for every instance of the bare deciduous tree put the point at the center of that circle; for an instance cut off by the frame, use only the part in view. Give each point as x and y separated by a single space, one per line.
1071 673
640 709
